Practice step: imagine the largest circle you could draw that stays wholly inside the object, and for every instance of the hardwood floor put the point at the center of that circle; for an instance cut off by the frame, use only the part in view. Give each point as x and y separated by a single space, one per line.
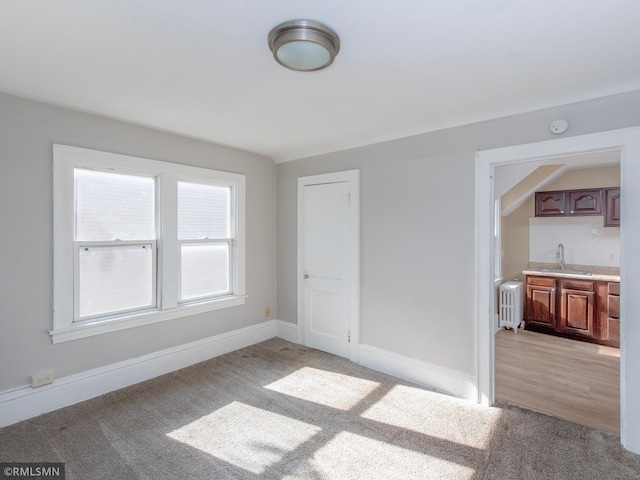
573 380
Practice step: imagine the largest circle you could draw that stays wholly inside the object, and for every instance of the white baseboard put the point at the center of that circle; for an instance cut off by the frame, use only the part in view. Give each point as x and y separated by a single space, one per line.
446 380
26 402
287 331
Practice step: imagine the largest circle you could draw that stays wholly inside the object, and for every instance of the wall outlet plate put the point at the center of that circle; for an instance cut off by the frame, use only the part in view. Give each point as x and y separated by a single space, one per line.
40 379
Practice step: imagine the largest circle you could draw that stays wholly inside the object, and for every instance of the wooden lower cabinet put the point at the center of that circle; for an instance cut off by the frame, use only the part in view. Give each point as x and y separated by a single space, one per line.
610 314
579 309
541 302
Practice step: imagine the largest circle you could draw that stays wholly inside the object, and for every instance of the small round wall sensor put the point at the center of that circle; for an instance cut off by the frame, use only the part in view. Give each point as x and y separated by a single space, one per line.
559 126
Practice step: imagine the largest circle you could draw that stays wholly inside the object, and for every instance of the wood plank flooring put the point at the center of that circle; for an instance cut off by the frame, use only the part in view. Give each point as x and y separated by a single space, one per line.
576 381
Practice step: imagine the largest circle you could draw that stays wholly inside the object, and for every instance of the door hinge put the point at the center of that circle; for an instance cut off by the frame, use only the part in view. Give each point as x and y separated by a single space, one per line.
349 337
349 198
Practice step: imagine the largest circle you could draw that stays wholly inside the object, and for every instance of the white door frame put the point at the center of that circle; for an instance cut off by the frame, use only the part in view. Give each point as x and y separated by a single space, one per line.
353 177
627 142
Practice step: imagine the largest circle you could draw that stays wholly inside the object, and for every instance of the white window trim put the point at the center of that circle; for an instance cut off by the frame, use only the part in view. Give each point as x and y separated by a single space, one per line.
497 254
65 159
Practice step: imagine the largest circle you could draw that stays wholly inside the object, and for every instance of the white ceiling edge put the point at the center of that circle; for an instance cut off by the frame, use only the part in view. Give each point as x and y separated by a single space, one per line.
203 70
116 118
491 116
344 146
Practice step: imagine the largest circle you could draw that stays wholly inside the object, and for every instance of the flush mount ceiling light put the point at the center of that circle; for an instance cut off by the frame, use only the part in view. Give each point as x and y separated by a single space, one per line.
304 45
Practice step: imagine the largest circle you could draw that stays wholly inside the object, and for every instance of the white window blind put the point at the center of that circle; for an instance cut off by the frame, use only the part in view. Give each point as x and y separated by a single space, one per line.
113 206
205 270
203 211
114 279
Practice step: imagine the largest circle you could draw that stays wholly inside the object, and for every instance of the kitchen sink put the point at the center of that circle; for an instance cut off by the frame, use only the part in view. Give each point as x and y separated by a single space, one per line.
565 271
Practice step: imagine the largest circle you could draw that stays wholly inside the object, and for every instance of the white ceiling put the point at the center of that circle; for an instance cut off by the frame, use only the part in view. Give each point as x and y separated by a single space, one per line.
202 68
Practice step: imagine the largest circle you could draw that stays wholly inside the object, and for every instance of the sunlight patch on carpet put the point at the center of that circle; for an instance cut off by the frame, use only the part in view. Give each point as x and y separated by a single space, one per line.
352 456
324 387
436 415
247 437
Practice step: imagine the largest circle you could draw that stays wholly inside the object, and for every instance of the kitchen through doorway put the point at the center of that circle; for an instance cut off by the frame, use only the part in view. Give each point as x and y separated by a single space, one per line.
627 142
563 377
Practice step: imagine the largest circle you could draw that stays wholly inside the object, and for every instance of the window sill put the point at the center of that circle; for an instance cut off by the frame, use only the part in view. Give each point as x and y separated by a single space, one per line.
82 330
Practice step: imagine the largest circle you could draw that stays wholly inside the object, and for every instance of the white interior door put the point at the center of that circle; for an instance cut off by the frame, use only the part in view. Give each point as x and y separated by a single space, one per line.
328 298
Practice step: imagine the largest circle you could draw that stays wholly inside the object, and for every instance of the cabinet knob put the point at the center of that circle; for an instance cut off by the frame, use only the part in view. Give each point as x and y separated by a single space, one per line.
306 275
561 211
571 212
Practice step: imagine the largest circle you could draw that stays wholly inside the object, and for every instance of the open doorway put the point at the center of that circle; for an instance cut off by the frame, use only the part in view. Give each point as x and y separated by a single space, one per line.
575 378
627 142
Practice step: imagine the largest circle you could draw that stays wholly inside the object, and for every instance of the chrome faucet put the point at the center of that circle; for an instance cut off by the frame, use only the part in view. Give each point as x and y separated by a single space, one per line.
560 256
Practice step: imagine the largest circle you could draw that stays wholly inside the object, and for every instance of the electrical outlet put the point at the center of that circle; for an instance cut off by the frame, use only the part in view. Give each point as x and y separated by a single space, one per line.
40 379
267 312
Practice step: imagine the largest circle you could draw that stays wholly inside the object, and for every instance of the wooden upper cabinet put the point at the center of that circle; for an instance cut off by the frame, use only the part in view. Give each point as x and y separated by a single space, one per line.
571 203
550 204
612 207
585 202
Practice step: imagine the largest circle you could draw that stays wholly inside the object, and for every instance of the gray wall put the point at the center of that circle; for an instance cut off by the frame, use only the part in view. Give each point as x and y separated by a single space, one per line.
27 132
417 226
417 238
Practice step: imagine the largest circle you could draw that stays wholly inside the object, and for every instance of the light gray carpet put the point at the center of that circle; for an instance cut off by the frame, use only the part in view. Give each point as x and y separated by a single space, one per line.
278 410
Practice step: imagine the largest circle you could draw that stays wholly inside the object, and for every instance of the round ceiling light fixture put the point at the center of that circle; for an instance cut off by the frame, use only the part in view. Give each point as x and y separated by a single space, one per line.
304 45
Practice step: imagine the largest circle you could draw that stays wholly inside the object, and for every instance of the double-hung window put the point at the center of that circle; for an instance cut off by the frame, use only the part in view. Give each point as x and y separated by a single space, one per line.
138 241
114 243
204 234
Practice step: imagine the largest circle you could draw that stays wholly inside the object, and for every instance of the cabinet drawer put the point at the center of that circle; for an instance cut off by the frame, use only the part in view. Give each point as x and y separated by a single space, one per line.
614 288
544 281
587 286
613 306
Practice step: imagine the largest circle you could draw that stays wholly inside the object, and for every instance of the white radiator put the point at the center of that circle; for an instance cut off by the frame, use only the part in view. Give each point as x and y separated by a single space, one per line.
511 313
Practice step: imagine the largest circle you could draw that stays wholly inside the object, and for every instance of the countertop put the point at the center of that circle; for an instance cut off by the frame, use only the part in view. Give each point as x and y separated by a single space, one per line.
607 274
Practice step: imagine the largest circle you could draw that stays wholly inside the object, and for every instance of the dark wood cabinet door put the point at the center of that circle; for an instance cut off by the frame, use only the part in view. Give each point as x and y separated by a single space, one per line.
540 307
610 315
550 204
577 312
612 207
585 202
